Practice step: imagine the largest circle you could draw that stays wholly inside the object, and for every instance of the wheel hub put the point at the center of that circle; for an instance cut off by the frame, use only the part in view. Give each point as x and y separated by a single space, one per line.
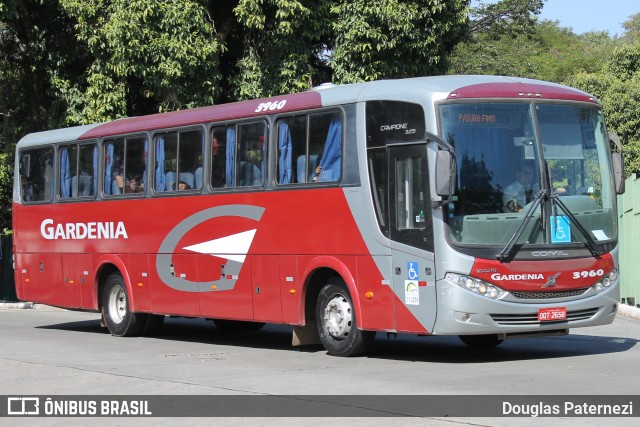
117 305
337 317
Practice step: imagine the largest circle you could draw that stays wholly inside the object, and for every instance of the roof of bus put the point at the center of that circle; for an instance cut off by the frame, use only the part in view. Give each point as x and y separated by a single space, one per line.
412 89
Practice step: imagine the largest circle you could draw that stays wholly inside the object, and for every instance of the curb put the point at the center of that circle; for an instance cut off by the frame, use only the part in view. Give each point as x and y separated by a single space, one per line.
27 306
629 311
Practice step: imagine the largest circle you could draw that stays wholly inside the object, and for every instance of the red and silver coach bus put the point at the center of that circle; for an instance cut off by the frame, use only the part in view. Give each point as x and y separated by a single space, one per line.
477 206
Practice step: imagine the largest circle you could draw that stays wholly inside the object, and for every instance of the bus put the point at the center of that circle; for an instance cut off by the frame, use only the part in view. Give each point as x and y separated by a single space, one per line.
482 207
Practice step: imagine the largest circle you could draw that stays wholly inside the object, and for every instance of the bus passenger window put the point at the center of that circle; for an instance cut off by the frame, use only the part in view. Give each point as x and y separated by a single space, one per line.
251 153
178 161
36 178
310 148
87 164
125 166
190 161
68 171
292 149
325 142
219 156
77 170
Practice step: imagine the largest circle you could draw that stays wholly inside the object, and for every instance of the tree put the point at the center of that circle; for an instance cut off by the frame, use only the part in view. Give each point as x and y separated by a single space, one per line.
150 55
146 55
68 62
617 85
507 39
498 40
36 44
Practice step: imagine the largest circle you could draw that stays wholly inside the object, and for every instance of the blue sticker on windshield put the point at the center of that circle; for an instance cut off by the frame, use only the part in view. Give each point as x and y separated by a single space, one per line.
560 229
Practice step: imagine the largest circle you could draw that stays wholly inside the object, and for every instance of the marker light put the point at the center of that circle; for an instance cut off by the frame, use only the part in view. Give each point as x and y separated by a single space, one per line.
476 286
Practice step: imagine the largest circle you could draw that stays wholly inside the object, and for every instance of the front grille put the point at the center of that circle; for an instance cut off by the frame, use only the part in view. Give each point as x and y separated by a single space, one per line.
550 294
532 318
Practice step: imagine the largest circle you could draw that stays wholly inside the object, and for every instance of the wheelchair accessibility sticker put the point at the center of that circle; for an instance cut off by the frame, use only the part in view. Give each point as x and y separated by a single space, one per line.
560 229
412 270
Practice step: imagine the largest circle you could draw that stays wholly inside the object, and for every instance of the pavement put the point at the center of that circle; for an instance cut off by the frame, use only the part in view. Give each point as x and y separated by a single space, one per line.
623 309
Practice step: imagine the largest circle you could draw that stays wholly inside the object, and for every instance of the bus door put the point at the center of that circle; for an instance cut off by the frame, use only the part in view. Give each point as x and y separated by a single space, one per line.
411 235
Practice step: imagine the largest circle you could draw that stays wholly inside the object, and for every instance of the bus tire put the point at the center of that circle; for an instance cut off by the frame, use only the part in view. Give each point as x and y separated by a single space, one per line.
337 324
481 341
120 321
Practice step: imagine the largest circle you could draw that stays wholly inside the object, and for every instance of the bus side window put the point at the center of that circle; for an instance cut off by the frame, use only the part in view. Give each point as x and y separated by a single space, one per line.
251 154
77 170
68 170
125 166
36 184
218 178
327 146
190 160
178 161
292 149
310 148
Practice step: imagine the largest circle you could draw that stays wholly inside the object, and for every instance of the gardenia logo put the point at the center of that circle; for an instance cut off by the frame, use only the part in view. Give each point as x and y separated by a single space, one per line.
498 276
82 230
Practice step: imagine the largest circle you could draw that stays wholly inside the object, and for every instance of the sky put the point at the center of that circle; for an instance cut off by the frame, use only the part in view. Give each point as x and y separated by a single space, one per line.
588 15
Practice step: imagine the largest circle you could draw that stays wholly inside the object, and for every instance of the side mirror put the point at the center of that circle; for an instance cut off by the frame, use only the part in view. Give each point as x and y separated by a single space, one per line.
617 161
25 165
445 173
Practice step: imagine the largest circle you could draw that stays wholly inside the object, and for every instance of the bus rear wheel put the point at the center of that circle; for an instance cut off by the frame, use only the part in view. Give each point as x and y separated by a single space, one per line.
120 321
481 341
337 324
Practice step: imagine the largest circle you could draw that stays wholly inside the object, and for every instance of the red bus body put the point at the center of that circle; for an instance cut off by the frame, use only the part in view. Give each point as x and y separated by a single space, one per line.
264 253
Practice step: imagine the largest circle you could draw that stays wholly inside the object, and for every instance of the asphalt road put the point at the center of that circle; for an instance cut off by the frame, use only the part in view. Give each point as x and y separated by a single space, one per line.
53 352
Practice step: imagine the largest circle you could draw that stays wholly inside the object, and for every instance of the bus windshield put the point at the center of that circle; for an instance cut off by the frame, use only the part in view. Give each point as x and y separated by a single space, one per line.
508 152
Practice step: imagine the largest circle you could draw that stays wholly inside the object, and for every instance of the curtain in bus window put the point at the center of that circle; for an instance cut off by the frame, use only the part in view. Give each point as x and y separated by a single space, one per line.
107 169
65 173
161 179
284 145
332 155
231 152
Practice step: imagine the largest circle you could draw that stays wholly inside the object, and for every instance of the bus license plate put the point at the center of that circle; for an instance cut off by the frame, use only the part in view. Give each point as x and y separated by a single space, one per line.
552 314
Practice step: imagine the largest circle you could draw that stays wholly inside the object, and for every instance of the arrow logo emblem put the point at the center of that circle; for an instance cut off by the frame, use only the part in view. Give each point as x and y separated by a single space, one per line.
234 247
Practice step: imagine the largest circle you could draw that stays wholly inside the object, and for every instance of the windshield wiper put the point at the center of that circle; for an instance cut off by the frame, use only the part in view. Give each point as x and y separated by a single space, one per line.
589 242
507 252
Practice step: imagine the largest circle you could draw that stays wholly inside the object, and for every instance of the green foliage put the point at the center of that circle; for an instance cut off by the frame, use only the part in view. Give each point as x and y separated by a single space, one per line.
142 50
68 62
547 52
378 39
617 85
506 17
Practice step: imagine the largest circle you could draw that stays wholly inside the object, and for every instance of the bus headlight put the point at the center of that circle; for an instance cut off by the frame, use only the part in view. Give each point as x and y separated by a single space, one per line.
606 281
474 285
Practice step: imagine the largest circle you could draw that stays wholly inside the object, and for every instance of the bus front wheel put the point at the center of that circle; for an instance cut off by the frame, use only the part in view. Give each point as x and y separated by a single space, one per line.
120 321
337 324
